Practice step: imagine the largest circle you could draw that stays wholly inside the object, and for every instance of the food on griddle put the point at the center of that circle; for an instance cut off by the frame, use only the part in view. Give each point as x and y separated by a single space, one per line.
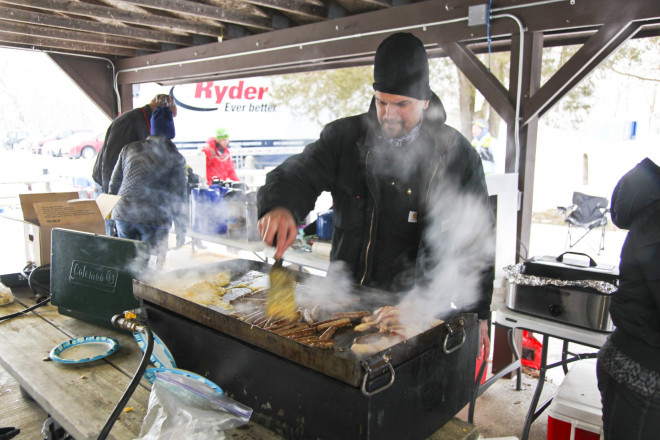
310 315
281 296
207 291
328 333
317 334
374 342
352 315
382 319
391 330
342 322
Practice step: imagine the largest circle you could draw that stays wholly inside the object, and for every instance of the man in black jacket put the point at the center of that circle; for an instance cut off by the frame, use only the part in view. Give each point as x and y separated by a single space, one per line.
134 125
388 171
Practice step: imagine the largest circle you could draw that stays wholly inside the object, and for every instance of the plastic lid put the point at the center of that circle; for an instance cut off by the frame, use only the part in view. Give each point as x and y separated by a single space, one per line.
578 397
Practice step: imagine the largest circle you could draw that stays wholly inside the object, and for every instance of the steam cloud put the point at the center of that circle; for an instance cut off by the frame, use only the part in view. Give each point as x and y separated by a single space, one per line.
462 247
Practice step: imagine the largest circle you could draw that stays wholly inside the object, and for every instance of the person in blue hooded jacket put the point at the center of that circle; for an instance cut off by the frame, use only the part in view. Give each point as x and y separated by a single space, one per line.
150 176
629 361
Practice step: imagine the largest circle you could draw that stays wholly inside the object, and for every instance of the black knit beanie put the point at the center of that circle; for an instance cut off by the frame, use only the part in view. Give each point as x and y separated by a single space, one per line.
401 67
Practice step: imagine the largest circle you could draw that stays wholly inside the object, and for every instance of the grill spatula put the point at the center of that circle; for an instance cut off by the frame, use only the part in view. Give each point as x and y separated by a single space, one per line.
281 302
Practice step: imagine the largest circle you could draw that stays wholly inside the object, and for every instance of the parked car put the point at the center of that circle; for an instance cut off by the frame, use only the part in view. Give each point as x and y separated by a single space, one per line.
14 137
37 147
87 148
65 141
29 142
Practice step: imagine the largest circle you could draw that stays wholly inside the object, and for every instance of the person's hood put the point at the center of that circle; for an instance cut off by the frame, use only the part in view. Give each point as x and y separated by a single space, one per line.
435 113
636 190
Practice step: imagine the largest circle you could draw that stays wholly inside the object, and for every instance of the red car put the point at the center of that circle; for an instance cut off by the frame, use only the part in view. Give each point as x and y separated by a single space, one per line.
86 149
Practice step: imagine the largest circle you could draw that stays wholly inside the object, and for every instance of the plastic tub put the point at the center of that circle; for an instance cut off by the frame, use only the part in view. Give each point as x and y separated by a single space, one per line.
576 410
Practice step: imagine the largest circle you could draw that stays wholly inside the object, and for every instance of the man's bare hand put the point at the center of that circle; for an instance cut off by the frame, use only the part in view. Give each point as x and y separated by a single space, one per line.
484 340
278 222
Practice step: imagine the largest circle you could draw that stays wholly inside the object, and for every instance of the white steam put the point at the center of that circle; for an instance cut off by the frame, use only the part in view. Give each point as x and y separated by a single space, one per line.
461 242
334 291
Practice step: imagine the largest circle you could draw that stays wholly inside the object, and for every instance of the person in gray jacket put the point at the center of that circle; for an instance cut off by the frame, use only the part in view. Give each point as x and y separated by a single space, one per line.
150 177
629 361
132 126
386 170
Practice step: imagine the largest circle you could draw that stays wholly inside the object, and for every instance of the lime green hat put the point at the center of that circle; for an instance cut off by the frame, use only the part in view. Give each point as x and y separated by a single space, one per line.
221 133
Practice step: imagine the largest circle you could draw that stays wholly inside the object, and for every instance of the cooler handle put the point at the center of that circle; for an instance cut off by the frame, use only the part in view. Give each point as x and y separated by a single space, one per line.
592 262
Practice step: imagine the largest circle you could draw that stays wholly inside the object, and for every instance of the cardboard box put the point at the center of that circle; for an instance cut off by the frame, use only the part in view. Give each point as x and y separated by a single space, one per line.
44 211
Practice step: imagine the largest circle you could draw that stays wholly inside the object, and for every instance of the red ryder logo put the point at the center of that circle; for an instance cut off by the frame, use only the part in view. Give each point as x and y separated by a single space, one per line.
206 90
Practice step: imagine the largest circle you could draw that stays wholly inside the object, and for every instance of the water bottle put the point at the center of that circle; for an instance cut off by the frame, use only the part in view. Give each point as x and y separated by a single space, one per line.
236 221
251 214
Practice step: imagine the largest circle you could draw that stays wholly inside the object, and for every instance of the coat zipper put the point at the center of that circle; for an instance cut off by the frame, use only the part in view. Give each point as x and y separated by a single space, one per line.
371 226
426 200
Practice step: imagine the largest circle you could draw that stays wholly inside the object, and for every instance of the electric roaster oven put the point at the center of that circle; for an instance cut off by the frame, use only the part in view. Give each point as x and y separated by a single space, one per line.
311 377
571 288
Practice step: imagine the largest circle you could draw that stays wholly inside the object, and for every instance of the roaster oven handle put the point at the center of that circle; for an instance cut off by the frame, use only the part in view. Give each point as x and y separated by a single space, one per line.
368 371
450 332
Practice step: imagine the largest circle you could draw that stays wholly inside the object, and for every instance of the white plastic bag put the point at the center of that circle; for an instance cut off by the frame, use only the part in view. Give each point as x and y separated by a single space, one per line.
184 408
6 296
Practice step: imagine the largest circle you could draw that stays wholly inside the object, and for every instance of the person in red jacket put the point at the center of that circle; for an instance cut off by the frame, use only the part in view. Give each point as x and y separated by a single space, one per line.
218 161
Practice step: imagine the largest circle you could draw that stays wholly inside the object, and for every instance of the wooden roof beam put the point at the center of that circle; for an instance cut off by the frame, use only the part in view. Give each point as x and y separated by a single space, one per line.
131 17
203 10
593 52
64 45
489 86
75 24
75 37
297 7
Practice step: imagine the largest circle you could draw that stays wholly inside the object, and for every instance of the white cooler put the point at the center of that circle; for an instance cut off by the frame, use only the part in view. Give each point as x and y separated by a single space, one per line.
576 410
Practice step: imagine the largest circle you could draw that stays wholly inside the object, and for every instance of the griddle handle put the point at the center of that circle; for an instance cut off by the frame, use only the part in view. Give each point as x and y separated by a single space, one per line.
592 262
459 345
366 377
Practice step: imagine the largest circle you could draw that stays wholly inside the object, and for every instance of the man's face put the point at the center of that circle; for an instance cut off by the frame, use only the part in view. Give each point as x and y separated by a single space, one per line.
398 114
476 130
222 143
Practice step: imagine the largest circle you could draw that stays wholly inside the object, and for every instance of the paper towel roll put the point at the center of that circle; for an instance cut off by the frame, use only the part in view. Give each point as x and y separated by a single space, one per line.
321 249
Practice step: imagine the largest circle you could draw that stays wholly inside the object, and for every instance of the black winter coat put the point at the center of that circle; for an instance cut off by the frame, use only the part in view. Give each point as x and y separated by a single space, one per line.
635 306
150 177
342 161
129 127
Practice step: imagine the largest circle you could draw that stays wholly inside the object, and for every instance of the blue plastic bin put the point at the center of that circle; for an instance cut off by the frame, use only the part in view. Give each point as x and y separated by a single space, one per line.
324 225
208 210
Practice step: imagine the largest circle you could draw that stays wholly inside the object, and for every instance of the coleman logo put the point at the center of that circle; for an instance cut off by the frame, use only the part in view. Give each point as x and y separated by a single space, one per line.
93 275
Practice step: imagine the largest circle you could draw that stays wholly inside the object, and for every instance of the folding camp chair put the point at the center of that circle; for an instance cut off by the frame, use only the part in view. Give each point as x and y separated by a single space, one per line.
588 213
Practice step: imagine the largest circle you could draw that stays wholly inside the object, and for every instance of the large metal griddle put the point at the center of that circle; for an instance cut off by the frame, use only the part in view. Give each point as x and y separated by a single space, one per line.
339 363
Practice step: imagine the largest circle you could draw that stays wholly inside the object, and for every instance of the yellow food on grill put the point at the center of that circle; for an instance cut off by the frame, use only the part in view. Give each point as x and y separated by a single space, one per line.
281 298
208 291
